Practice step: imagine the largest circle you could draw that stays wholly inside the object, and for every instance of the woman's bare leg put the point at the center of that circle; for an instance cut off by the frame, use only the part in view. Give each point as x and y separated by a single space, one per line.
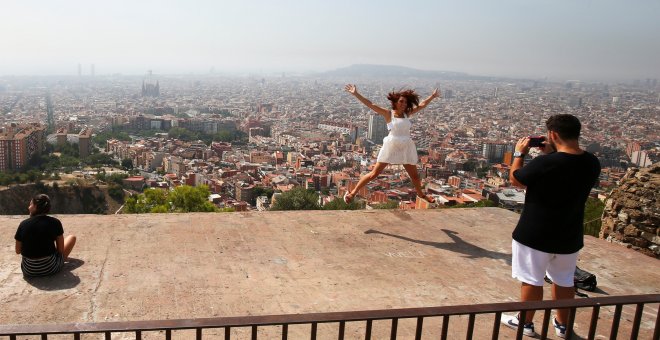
69 242
417 182
378 168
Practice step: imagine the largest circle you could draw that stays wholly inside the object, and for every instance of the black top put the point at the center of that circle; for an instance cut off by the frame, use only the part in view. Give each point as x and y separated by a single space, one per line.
37 235
558 185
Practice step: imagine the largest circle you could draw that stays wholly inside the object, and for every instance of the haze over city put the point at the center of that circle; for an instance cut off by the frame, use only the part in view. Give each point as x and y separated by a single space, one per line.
559 40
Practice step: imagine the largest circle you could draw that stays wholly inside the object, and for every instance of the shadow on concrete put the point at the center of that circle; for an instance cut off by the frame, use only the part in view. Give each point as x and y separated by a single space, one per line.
65 279
586 294
458 245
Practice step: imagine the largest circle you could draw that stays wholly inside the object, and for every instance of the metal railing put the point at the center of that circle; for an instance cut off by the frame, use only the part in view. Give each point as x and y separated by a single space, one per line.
314 319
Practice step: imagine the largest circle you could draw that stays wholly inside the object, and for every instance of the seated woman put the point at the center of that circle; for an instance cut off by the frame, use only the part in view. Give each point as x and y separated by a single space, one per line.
40 240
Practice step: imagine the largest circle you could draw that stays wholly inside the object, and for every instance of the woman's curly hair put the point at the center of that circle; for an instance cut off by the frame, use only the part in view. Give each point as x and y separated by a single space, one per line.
411 97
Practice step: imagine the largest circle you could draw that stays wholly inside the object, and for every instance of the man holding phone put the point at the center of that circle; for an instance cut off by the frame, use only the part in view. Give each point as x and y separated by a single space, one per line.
549 233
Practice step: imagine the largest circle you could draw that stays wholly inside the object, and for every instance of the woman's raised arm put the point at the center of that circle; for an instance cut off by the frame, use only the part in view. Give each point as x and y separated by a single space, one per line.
425 102
350 88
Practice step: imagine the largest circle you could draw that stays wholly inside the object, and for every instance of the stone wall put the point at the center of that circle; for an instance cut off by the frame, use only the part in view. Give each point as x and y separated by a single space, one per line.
632 212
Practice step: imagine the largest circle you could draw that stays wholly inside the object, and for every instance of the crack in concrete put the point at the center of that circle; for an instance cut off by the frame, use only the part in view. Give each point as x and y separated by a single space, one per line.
91 317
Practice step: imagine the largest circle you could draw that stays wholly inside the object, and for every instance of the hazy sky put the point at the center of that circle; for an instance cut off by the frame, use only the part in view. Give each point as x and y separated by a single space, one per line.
559 39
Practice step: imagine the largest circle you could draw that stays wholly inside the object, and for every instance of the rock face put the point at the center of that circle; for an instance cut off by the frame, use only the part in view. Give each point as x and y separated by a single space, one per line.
632 212
81 199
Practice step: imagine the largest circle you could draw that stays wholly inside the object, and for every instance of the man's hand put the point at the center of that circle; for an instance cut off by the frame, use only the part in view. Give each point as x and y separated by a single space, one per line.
523 145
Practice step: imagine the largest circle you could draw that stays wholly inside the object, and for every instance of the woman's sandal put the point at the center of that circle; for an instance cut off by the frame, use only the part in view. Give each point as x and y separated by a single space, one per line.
347 200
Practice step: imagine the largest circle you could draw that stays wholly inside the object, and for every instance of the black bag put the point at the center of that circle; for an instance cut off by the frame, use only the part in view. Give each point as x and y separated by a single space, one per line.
582 279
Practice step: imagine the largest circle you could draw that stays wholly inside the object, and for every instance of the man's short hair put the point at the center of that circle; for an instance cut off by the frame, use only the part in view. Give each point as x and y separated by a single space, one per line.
567 126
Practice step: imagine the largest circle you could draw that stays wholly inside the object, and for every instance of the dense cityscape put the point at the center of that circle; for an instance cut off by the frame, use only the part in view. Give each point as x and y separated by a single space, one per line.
251 138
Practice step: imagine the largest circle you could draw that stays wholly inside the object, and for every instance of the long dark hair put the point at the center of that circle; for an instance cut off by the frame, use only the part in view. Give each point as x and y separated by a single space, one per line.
42 203
412 98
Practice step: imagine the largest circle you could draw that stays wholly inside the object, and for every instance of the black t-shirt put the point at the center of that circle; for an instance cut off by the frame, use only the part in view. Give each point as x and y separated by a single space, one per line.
37 235
558 185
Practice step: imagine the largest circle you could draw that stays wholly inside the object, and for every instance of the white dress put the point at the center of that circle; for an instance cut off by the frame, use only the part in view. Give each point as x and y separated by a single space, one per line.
398 147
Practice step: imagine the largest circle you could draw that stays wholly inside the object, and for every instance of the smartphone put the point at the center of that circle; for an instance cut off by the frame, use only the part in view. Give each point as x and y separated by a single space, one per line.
536 142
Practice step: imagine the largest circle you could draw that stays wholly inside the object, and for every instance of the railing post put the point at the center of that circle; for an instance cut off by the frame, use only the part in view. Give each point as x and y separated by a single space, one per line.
637 321
254 332
445 327
198 334
496 326
395 323
227 333
594 322
285 331
342 327
656 332
570 323
546 323
367 332
313 332
470 329
521 324
615 322
418 329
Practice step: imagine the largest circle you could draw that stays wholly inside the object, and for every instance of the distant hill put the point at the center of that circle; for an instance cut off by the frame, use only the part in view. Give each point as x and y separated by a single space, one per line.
369 70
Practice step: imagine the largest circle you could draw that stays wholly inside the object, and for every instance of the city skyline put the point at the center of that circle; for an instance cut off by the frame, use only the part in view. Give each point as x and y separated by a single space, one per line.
584 40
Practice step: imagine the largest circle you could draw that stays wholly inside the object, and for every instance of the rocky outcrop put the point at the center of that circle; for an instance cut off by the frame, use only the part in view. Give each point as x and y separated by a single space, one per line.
632 212
66 199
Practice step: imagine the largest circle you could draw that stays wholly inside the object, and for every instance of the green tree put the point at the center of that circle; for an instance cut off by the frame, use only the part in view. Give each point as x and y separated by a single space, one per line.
183 134
182 199
297 199
390 204
190 199
101 138
261 191
480 204
593 212
116 191
100 159
127 163
339 204
160 209
143 203
224 136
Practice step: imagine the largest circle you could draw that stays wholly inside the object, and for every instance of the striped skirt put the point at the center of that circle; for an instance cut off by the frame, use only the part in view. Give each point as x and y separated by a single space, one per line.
43 266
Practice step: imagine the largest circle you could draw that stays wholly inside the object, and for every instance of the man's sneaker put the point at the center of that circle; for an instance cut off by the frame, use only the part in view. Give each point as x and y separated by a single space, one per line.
560 330
511 321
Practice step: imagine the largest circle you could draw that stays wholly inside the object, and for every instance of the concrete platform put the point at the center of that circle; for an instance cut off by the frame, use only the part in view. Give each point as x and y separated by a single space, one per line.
173 266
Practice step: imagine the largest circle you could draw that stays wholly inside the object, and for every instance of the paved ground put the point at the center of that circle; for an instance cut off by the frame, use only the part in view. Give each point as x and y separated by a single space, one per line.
172 266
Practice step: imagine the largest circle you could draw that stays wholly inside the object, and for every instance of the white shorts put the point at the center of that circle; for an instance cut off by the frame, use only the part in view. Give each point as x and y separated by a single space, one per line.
529 265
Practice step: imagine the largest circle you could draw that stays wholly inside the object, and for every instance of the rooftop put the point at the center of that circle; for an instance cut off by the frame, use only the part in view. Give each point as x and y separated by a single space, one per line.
179 266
